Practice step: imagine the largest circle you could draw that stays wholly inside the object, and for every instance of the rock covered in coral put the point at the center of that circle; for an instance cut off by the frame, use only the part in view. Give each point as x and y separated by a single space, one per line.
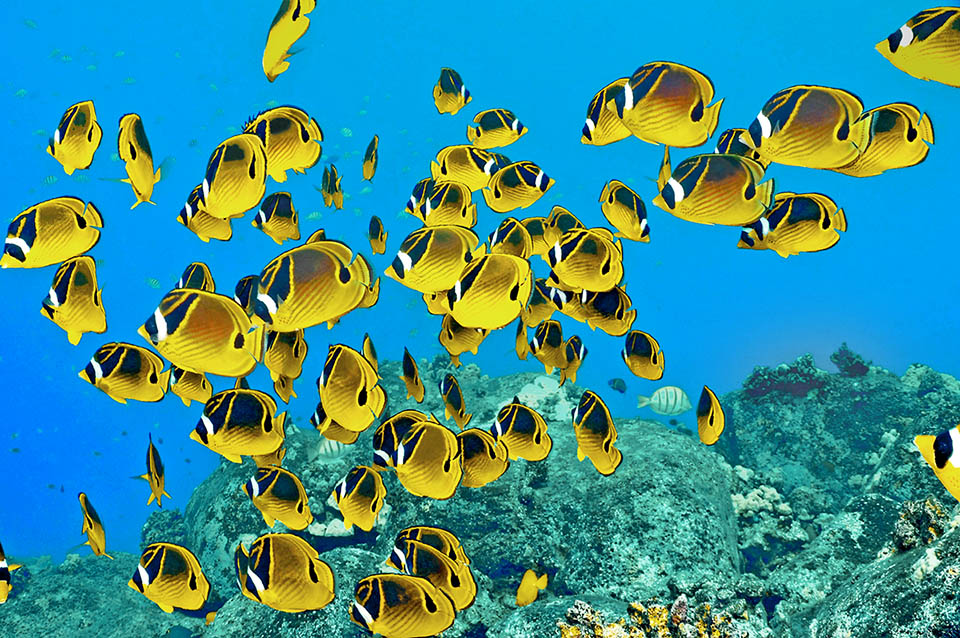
920 523
849 362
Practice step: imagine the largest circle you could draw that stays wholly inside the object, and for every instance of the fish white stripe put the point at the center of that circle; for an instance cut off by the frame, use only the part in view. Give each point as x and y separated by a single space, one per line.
678 193
367 618
262 217
515 125
342 489
405 261
207 424
268 302
539 179
627 97
498 428
254 486
401 455
252 577
53 298
955 440
590 125
144 576
486 167
907 34
765 128
97 370
16 241
382 455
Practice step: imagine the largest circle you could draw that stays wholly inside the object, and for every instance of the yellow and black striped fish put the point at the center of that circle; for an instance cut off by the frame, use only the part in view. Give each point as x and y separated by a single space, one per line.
574 352
359 496
401 606
288 25
453 405
291 140
170 576
710 417
643 355
5 578
448 203
77 137
420 191
377 236
899 137
279 495
93 527
540 307
520 345
245 293
603 126
190 386
547 345
797 223
197 276
667 103
427 461
523 431
284 572
277 218
200 222
371 157
490 292
411 377
124 371
236 177
484 457
431 259
927 46
511 238
74 301
457 339
537 228
625 211
450 576
240 421
516 185
285 354
714 189
443 540
369 352
588 259
449 93
330 188
940 453
155 476
495 128
389 434
608 310
557 223
596 434
729 142
330 429
51 232
134 149
349 389
467 164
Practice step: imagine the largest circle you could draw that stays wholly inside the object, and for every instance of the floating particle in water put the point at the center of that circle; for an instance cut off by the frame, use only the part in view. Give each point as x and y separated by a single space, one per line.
129 80
232 130
123 433
91 67
357 212
429 140
272 103
347 196
97 453
80 178
41 132
160 441
55 53
405 170
119 54
30 24
193 142
15 450
214 87
186 460
51 486
315 215
50 180
403 131
556 197
366 99
218 112
366 190
362 112
100 263
61 489
346 132
114 157
66 58
414 332
15 435
21 93
176 54
153 283
413 303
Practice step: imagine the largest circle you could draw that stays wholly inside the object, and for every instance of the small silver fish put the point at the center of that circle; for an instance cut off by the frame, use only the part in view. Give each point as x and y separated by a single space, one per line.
668 401
329 450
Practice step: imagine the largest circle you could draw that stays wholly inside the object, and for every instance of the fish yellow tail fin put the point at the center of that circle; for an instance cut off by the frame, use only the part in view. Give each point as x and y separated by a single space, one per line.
279 421
712 116
73 336
542 582
455 360
664 175
925 126
839 220
471 134
165 379
91 214
765 193
643 401
253 342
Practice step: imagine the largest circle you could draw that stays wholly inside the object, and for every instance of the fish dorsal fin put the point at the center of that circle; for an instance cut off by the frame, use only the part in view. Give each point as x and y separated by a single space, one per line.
242 384
318 235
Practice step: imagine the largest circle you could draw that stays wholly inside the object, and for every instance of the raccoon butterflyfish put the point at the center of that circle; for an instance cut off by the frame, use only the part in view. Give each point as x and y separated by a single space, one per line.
370 158
450 576
643 356
283 388
484 457
668 401
457 339
557 223
311 284
51 232
197 276
420 191
240 421
710 417
377 236
540 307
436 537
202 331
530 587
729 142
348 389
431 259
5 578
520 345
190 386
284 572
273 458
536 228
235 178
574 352
588 259
401 606
797 223
565 300
434 302
491 291
288 26
427 461
516 185
809 126
714 189
74 300
523 431
603 126
291 140
449 93
940 453
411 377
369 352
285 354
277 218
468 165
124 371
279 495
625 211
390 433
495 128
93 527
547 345
329 429
330 188
596 433
608 310
170 576
448 203
77 137
666 103
134 149
453 404
898 138
359 495
200 222
511 238
245 293
927 46
155 475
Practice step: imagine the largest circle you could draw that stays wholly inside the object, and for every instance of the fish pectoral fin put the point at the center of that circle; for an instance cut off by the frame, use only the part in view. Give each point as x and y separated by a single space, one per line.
73 336
108 556
233 458
580 454
165 607
269 520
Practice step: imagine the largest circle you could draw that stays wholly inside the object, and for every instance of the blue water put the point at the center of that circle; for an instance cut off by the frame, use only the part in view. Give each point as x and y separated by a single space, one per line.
193 72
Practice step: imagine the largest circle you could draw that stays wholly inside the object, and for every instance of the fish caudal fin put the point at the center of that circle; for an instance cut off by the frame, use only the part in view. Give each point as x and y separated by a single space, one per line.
665 171
643 401
765 193
712 116
253 342
165 379
839 220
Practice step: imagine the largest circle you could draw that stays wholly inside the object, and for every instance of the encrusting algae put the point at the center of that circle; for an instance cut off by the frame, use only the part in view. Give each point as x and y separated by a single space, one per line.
650 620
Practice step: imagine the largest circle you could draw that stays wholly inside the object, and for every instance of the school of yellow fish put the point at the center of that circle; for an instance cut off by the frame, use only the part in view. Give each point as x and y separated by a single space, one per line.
477 287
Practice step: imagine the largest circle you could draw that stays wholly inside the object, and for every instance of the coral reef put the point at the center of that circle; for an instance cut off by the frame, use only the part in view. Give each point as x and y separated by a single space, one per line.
848 362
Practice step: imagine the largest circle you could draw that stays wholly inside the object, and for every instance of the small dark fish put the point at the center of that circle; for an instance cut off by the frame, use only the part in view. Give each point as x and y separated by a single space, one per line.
618 384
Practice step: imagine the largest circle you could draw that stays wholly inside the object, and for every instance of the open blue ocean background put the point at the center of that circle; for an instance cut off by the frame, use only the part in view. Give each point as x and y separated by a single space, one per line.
193 72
